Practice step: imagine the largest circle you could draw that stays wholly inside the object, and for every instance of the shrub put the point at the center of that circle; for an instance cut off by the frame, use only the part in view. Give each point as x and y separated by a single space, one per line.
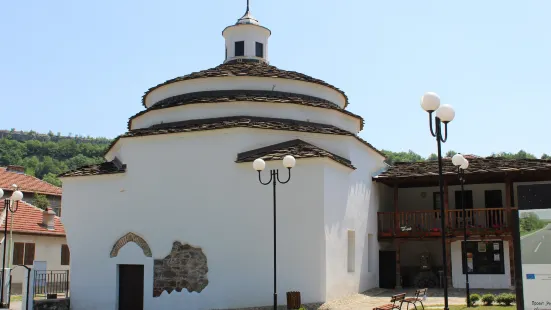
474 299
488 299
505 299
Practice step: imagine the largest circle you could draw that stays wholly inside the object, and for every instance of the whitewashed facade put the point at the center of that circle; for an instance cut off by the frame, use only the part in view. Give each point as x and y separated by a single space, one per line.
186 186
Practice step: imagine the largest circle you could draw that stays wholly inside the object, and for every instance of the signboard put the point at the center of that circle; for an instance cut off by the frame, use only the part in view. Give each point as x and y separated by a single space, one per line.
535 245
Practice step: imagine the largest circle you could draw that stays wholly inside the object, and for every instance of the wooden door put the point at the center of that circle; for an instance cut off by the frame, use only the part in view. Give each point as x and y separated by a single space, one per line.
131 287
387 269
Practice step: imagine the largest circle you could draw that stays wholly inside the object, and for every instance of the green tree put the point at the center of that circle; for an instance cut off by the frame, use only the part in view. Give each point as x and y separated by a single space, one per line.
450 153
40 201
545 156
432 157
394 157
52 179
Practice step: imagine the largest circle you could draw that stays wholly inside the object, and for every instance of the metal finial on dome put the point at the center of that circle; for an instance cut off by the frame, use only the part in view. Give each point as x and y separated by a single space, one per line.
248 17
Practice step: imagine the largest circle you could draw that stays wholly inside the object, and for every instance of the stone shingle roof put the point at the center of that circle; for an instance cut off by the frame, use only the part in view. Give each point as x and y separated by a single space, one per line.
247 67
240 121
477 166
110 167
26 183
245 95
297 148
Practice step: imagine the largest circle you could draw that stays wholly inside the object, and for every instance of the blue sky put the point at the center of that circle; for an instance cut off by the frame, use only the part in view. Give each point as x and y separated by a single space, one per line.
82 66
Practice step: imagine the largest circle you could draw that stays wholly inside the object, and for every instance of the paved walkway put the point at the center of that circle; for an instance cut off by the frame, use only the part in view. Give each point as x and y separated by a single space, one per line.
15 305
376 297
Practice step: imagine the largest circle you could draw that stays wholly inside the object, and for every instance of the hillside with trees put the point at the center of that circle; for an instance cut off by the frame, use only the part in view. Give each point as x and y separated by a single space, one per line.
47 155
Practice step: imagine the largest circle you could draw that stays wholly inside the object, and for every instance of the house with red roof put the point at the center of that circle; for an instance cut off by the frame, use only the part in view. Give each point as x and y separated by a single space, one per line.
29 185
33 233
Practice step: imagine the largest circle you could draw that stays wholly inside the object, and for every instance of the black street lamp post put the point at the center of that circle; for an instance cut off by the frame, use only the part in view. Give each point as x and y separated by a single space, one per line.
462 163
430 102
259 165
10 206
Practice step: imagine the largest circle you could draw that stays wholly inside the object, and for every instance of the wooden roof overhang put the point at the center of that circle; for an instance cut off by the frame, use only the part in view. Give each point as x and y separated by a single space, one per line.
484 171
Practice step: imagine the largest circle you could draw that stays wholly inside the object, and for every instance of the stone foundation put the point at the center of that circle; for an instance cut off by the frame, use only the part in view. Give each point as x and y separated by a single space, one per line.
185 267
52 304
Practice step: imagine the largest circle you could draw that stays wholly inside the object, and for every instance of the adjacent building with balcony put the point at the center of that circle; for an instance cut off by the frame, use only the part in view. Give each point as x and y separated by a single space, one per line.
409 225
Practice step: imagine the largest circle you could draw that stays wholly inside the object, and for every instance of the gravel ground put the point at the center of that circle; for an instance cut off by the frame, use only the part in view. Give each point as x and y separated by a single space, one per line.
376 297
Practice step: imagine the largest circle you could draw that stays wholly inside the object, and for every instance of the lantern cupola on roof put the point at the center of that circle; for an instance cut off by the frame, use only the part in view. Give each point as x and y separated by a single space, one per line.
247 39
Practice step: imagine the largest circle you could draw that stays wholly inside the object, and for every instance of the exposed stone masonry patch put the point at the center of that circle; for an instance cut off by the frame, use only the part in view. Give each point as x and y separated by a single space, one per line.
185 267
131 237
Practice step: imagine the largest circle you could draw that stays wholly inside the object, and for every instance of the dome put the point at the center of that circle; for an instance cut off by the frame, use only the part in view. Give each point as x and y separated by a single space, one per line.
247 67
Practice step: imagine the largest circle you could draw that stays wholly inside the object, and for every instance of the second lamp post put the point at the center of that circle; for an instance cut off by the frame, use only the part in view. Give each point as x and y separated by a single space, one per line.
10 206
430 102
259 165
462 163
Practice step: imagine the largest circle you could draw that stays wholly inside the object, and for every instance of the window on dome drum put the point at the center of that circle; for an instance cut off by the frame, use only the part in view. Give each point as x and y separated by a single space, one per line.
484 257
23 253
240 48
65 255
259 49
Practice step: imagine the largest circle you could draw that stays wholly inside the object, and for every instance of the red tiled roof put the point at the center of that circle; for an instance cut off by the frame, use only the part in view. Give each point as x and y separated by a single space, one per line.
28 220
26 183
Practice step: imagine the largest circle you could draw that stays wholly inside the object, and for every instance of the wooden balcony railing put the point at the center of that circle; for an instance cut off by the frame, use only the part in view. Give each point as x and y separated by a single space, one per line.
427 223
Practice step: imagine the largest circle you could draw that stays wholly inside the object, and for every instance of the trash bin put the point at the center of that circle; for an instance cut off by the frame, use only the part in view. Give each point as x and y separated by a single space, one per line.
293 300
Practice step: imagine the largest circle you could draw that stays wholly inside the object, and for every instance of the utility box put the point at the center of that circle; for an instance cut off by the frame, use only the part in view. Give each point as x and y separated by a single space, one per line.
293 300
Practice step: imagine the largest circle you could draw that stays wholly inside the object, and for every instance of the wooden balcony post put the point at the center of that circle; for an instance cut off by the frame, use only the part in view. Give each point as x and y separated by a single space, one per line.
396 215
511 261
398 273
449 262
446 206
508 201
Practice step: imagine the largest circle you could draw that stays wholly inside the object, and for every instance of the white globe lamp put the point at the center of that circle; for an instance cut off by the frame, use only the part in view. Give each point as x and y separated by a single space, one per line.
430 102
289 161
445 113
17 196
465 164
458 159
259 164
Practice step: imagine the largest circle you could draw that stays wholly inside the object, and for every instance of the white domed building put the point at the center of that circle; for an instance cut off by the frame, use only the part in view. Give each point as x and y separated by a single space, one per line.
177 219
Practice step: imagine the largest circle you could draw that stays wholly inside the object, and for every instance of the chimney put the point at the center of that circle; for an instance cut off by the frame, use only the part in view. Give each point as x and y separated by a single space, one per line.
16 169
48 218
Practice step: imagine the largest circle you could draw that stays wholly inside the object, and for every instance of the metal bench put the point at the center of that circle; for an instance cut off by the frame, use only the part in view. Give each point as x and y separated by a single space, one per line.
396 303
419 296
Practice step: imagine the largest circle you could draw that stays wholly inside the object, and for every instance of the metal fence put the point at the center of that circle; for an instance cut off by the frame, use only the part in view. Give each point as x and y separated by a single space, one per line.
51 283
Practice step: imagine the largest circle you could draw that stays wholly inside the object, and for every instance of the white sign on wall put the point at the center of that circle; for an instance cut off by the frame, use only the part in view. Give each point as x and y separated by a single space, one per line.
535 245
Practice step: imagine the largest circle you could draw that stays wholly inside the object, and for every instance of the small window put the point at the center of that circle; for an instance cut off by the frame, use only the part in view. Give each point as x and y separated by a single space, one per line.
23 253
484 257
240 48
29 253
259 49
65 255
351 251
18 253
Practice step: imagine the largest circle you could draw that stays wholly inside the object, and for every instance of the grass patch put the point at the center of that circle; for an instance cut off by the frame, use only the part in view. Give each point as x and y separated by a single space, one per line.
16 298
